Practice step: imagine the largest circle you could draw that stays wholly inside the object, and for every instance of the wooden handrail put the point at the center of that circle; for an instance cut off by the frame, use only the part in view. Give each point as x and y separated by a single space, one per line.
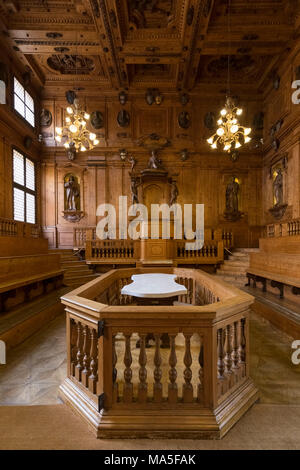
283 229
103 328
14 228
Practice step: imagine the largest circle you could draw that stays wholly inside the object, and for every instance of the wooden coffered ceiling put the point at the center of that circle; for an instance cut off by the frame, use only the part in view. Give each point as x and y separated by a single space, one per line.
171 44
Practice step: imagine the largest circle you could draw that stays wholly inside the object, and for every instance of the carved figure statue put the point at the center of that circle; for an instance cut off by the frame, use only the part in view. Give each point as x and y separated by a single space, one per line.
232 191
154 162
45 118
278 188
174 193
132 161
72 194
134 191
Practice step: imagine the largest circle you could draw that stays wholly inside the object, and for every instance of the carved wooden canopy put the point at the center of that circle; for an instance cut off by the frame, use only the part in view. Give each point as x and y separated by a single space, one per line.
167 44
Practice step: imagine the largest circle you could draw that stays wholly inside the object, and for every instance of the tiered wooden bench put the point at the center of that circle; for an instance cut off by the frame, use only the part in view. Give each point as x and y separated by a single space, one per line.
25 277
277 262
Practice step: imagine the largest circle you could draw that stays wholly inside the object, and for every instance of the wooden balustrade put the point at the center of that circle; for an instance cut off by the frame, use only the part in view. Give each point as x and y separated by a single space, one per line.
13 228
198 387
127 252
284 229
81 235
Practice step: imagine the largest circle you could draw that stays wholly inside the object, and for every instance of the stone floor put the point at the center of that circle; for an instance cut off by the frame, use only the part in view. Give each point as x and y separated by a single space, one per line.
37 367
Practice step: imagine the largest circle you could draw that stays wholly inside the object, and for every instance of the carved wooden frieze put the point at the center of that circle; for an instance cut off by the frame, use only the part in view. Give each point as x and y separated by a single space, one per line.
71 64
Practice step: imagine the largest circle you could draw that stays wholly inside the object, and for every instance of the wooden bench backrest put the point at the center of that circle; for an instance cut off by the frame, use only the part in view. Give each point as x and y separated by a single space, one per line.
21 246
280 245
278 263
18 267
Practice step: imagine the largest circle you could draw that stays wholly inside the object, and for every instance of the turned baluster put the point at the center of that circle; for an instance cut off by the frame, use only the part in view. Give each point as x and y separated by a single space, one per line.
128 387
235 354
221 365
115 372
172 389
242 344
86 356
79 355
200 373
142 389
73 349
187 386
228 350
93 378
157 389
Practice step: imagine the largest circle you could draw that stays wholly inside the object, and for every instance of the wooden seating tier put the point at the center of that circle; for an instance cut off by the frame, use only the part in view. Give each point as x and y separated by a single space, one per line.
277 262
24 277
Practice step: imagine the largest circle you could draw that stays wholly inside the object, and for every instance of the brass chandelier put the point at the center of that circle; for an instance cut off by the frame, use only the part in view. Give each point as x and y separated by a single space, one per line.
230 134
75 134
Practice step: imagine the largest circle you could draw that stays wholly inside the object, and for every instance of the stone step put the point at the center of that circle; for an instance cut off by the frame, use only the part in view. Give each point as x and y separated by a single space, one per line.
246 250
231 274
73 264
237 262
77 273
233 269
243 258
83 278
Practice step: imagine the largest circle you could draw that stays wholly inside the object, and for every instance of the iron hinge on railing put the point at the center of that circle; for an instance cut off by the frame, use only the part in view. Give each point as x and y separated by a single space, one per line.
100 328
101 402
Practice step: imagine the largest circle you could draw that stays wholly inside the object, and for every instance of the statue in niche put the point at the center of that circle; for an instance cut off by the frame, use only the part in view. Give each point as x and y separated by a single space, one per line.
154 162
184 120
232 191
71 194
97 120
132 162
134 191
232 212
278 188
46 118
123 118
174 193
279 208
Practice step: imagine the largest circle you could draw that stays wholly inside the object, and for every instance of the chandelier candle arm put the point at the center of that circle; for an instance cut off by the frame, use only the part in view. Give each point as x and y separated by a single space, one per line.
230 134
75 133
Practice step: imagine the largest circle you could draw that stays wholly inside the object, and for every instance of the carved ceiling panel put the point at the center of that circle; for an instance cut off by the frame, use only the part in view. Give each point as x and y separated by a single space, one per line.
242 68
177 44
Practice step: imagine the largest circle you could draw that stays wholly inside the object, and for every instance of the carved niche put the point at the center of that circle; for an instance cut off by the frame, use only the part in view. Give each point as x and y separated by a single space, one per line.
277 174
72 212
45 118
232 196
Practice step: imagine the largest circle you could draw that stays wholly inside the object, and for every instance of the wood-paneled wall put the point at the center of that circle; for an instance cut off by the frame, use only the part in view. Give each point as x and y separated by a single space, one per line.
104 177
13 130
278 106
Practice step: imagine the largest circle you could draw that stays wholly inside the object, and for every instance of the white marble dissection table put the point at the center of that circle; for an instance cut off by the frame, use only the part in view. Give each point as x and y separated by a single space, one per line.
154 289
154 286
